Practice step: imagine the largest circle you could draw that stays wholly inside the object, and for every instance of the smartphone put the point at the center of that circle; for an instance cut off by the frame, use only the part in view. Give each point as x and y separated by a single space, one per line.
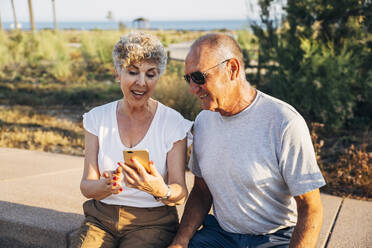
141 156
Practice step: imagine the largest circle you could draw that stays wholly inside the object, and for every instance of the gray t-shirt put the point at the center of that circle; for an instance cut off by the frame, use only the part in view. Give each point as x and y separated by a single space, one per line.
254 162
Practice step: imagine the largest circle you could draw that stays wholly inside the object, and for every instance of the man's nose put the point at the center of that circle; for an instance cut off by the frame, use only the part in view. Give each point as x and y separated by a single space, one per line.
194 88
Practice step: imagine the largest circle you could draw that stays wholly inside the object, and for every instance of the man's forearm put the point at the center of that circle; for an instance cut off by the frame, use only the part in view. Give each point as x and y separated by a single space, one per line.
307 229
197 207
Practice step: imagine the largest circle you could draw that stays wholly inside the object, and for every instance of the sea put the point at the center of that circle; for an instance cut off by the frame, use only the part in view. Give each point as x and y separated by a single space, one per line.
161 25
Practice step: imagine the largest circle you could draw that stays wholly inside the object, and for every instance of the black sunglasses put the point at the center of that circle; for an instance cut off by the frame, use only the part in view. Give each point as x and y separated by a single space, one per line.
198 77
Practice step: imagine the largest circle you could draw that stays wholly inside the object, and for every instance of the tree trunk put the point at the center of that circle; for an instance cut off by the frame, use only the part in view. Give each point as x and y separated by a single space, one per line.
14 14
32 24
54 15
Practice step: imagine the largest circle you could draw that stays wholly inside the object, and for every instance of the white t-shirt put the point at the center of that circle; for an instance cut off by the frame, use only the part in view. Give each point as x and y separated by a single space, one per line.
167 127
254 162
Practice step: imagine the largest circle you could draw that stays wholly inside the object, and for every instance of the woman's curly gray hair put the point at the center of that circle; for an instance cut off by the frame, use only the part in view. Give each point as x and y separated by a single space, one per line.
137 47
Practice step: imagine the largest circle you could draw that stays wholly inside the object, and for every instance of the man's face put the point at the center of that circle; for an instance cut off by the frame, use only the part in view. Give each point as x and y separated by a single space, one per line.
212 93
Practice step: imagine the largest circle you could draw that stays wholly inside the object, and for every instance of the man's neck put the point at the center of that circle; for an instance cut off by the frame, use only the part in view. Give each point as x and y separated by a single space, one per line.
244 97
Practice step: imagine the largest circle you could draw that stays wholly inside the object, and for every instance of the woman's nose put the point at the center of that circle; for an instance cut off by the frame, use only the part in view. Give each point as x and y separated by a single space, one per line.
141 79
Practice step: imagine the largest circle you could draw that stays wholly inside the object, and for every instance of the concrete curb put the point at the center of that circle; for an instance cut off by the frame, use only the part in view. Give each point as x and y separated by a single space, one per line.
35 226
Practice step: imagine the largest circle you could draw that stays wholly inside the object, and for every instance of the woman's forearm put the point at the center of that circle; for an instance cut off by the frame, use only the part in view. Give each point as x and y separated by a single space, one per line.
94 189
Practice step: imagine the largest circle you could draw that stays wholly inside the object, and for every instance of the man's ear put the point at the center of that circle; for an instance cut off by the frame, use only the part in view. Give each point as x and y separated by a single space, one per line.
234 68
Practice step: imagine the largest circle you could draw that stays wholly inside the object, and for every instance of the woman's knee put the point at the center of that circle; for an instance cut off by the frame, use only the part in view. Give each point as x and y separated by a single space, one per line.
91 235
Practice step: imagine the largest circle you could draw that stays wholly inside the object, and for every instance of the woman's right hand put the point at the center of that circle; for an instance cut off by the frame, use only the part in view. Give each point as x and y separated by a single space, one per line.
93 184
111 181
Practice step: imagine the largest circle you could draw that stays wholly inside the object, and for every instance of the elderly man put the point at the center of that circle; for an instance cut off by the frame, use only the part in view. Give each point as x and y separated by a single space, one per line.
252 158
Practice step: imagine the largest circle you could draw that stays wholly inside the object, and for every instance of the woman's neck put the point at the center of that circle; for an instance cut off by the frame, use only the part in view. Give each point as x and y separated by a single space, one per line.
137 112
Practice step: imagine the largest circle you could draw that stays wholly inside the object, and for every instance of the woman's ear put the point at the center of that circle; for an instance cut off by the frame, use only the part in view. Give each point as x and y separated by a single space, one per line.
117 74
233 66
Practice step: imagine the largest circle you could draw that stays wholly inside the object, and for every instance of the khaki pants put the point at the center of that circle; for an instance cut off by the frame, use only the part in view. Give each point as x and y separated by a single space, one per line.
121 226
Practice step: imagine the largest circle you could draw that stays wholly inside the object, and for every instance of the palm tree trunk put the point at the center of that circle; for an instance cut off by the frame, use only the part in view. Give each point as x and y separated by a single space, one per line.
54 15
15 16
32 24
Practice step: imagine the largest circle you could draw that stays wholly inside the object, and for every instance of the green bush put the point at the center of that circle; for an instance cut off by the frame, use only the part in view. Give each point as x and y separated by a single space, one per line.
173 91
97 46
320 87
319 60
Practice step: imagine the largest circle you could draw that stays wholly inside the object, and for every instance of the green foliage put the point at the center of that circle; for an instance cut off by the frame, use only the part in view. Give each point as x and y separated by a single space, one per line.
50 68
319 60
97 46
66 56
6 57
248 43
173 91
46 50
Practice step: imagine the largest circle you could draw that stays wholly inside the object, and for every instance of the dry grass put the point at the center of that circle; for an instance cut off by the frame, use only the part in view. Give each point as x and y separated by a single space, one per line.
348 172
23 127
351 175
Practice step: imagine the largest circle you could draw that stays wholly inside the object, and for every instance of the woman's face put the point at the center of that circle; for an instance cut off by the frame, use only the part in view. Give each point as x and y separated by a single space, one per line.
138 81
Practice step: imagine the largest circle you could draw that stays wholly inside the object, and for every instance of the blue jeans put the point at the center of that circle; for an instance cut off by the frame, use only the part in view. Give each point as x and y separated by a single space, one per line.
213 236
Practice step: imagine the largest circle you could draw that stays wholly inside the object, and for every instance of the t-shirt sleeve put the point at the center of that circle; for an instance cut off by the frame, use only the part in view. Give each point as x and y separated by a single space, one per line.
193 164
177 130
90 122
297 159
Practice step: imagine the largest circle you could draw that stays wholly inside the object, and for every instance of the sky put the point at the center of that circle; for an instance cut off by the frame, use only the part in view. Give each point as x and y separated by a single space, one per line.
124 10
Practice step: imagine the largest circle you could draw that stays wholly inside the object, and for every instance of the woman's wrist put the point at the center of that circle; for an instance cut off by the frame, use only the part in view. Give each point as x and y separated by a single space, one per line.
164 194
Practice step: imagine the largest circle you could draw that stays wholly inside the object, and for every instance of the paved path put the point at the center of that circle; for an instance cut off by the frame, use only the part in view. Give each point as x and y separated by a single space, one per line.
40 204
178 51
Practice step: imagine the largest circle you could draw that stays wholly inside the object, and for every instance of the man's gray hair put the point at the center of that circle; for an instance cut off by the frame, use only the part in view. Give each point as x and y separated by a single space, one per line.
138 47
223 45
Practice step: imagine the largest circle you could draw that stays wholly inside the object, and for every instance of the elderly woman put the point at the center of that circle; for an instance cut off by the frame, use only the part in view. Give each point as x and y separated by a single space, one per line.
129 206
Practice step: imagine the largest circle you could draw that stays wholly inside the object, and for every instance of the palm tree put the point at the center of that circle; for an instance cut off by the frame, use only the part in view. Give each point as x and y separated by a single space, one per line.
15 16
54 14
31 15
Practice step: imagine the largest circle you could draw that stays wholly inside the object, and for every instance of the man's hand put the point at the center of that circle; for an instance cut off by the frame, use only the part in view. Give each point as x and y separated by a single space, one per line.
177 246
197 207
178 243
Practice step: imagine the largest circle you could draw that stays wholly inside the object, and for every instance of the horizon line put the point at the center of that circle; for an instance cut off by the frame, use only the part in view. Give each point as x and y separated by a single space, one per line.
154 20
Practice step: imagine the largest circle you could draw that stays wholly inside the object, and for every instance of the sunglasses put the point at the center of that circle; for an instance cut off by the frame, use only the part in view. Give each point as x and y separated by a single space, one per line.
198 77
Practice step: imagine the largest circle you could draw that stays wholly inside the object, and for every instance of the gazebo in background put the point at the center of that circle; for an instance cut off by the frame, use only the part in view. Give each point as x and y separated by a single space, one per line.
141 23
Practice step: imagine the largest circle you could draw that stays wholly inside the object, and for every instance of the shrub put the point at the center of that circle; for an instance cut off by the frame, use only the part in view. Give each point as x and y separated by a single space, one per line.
351 174
173 91
319 60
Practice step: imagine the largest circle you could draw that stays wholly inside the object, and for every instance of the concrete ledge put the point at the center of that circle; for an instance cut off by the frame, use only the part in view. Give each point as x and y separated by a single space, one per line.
40 199
353 227
331 205
35 226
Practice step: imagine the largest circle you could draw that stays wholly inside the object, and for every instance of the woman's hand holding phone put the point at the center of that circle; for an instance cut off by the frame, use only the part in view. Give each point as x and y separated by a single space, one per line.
136 176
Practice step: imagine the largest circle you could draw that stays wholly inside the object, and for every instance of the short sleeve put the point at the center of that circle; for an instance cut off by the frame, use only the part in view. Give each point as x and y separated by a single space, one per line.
193 164
178 129
297 159
90 122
